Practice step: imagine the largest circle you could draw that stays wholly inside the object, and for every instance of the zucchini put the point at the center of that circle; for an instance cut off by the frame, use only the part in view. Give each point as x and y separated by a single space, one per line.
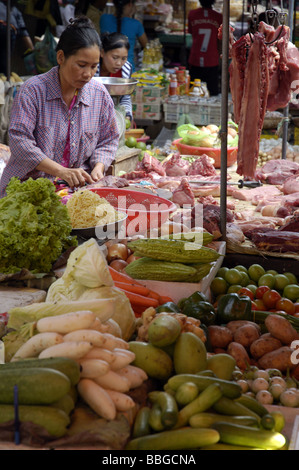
36 386
67 366
268 422
65 403
220 446
229 389
186 393
236 434
204 401
177 439
252 404
168 406
178 251
227 406
55 421
206 420
141 425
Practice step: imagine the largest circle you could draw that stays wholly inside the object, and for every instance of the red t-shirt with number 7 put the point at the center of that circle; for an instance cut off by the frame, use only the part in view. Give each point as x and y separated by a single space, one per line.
203 25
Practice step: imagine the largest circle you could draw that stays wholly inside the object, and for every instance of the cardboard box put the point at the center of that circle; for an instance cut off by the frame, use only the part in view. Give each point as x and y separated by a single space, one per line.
147 111
149 94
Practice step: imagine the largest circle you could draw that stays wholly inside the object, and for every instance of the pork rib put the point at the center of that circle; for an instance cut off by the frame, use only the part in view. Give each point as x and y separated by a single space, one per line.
253 106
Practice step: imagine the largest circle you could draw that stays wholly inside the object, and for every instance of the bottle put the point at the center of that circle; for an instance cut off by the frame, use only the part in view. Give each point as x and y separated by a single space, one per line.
173 85
194 95
187 82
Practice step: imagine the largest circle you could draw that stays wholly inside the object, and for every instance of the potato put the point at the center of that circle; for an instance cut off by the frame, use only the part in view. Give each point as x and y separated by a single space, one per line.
219 336
263 345
235 324
280 328
279 359
246 334
239 353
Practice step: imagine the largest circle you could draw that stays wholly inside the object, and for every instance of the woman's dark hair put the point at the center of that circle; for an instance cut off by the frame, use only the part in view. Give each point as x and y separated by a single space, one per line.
111 41
207 3
119 6
80 33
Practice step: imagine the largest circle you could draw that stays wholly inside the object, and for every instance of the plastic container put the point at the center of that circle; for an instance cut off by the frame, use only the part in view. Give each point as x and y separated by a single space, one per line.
214 153
145 211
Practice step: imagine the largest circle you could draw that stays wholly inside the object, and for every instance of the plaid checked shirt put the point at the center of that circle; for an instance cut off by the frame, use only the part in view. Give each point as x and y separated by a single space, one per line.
39 125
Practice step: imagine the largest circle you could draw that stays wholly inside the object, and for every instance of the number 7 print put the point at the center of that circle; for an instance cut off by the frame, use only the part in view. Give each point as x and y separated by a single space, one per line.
207 35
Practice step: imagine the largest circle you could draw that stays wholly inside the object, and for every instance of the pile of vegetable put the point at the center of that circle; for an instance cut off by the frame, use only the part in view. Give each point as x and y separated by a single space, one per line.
35 227
197 403
207 136
172 259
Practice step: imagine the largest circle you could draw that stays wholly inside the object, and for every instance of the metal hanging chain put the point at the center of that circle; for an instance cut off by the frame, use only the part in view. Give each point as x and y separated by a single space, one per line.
254 14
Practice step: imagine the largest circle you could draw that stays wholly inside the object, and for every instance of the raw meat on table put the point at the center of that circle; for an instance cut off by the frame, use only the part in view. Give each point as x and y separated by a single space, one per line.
291 184
277 171
202 166
176 166
255 194
183 194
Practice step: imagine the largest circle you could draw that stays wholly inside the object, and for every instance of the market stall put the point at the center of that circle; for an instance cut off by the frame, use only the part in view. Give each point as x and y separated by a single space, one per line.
156 309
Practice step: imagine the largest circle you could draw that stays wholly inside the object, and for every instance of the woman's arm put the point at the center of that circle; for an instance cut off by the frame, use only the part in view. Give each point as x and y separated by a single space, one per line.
143 40
74 177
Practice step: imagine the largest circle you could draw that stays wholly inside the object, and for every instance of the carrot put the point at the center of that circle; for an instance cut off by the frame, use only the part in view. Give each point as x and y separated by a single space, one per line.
165 299
122 277
141 300
135 288
154 295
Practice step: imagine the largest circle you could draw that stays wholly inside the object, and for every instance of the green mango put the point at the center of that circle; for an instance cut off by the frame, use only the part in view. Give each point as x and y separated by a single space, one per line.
163 330
154 361
190 354
222 365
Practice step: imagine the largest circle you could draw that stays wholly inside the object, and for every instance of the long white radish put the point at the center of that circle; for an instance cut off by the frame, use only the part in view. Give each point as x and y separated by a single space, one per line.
139 371
121 360
97 398
36 344
134 377
100 353
97 325
111 326
112 342
96 338
121 401
67 322
71 349
127 352
113 381
91 368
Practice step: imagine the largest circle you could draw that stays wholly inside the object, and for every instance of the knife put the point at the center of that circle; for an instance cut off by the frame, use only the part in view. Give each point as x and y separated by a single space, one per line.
240 183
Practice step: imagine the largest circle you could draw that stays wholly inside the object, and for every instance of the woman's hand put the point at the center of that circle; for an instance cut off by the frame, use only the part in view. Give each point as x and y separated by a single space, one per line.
76 177
98 171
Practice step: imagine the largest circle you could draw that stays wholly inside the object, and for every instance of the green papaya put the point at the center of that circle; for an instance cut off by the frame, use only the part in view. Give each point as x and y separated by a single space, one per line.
222 365
190 354
154 361
163 330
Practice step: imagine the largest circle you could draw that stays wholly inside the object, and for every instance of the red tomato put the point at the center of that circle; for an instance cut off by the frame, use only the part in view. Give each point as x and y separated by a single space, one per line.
253 306
260 291
260 305
286 305
270 298
245 291
296 307
277 311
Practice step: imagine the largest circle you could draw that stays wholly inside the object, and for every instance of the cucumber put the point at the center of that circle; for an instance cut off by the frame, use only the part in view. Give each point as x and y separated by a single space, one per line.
55 421
186 393
229 389
67 366
168 406
247 436
220 446
178 439
155 418
252 404
36 386
201 403
65 403
206 420
141 425
268 422
226 406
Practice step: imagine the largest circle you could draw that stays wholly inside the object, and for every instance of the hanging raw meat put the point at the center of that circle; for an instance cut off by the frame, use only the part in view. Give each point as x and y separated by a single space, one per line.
253 106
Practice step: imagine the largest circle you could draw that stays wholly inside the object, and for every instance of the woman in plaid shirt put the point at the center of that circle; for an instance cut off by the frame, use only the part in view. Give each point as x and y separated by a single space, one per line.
63 122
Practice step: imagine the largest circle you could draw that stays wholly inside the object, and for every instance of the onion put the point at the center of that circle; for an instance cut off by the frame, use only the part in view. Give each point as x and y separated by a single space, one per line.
117 251
131 258
118 265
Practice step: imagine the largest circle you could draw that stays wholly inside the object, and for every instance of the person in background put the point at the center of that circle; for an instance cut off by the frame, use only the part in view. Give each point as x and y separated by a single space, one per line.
123 22
63 124
17 29
204 58
95 11
114 63
67 11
